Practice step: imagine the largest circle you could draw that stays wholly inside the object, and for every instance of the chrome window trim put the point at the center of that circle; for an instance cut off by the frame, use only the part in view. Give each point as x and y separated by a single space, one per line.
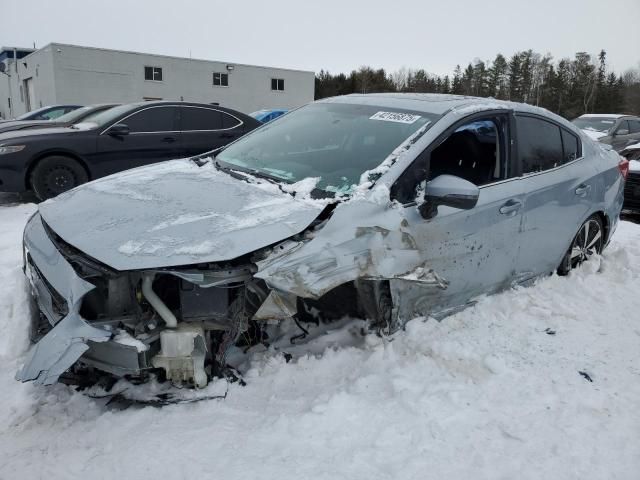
534 174
163 131
240 122
215 110
138 111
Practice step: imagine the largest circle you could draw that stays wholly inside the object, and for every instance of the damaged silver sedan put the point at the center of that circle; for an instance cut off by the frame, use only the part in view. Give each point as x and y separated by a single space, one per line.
386 206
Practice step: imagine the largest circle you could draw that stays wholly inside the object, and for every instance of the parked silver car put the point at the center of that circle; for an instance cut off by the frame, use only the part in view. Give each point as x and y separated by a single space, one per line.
388 206
619 131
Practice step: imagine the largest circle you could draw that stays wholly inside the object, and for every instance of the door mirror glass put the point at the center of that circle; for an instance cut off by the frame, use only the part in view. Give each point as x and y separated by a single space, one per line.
450 191
119 130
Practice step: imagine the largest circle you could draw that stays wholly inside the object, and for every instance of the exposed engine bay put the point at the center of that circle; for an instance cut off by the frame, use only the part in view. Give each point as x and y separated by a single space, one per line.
175 324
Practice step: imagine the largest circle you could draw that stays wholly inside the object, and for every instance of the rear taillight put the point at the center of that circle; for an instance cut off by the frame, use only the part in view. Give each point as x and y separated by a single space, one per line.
623 166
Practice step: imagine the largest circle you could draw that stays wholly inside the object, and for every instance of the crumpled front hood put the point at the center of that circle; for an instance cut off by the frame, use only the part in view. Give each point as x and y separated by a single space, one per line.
175 213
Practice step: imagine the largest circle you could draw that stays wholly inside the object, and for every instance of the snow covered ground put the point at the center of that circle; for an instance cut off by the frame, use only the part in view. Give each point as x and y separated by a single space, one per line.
492 392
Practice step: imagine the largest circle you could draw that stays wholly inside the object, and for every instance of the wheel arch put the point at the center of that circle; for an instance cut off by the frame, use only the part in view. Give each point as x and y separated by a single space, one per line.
606 225
50 153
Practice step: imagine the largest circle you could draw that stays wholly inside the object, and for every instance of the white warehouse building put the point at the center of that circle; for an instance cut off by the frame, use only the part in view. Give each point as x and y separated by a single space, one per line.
70 74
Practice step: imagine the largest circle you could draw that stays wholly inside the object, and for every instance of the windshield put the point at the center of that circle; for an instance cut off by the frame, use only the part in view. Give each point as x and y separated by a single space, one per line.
32 113
335 142
79 114
106 117
599 124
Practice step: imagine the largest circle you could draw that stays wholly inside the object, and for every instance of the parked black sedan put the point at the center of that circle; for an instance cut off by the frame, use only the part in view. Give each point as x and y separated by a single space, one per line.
50 112
51 161
74 116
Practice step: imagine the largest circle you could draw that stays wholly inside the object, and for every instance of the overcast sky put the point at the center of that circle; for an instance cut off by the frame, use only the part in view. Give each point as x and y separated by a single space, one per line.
338 35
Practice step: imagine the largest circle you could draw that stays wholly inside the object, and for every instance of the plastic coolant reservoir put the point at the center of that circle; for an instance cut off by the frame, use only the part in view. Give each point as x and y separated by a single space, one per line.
182 352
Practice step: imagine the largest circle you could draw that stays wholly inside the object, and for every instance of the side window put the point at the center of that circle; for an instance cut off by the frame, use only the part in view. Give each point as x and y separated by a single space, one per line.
475 151
194 118
570 146
539 144
634 126
623 128
157 119
51 114
229 121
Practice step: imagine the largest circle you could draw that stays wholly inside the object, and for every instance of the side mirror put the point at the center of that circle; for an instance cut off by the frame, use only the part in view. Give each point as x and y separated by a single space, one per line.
119 130
450 191
622 131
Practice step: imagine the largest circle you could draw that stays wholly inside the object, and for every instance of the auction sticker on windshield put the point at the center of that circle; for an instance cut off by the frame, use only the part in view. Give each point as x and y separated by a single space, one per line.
394 117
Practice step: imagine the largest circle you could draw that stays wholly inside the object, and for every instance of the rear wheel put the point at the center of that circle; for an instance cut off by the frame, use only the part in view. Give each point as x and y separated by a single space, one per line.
588 241
56 174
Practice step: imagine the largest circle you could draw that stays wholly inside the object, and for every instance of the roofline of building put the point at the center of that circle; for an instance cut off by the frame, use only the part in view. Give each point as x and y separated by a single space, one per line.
55 44
22 49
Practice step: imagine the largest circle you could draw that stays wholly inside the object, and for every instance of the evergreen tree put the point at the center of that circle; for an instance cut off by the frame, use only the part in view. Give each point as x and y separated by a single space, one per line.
568 87
515 78
456 84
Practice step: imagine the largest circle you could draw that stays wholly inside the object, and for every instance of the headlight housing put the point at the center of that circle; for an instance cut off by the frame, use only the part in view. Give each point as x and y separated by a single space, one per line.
4 149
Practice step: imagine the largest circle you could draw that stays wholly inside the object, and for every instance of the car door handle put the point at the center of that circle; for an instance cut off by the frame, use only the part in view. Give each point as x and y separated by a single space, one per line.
583 190
169 139
511 206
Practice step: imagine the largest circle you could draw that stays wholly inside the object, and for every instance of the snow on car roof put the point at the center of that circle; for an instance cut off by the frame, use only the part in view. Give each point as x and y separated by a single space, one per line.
435 103
602 115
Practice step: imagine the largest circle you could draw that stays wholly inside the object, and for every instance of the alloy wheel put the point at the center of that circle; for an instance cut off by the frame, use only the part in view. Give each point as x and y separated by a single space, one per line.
587 242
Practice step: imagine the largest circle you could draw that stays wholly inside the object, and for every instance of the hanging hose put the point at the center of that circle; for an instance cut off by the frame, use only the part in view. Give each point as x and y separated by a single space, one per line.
158 305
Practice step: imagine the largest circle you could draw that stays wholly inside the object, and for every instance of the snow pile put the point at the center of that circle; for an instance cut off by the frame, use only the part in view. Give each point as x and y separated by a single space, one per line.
594 134
492 392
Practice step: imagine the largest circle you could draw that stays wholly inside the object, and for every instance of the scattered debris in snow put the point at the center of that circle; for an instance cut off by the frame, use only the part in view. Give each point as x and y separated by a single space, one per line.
124 338
482 394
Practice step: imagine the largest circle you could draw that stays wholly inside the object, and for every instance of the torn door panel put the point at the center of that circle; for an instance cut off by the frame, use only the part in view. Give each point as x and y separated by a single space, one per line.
380 247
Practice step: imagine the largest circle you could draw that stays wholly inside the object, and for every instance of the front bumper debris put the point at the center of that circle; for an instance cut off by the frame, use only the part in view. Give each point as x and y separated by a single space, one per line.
65 343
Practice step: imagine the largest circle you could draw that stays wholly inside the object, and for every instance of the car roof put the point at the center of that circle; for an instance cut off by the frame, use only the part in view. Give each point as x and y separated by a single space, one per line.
96 105
604 115
184 104
434 103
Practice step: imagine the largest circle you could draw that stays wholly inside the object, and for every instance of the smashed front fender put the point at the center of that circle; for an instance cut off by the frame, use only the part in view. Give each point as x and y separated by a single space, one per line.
378 246
67 341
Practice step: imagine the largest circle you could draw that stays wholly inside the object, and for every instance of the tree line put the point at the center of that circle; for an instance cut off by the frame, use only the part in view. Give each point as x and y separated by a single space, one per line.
568 87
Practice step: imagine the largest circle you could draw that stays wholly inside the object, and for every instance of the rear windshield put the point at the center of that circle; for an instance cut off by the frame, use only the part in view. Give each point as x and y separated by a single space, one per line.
597 124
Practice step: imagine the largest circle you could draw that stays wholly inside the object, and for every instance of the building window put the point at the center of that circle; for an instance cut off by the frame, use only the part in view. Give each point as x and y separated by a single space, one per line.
153 73
220 79
277 84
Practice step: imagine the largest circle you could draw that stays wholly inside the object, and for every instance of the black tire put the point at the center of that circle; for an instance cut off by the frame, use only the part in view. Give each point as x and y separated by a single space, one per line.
588 241
56 174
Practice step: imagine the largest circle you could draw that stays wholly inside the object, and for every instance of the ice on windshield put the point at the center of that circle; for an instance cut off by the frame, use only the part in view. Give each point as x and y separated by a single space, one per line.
331 141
